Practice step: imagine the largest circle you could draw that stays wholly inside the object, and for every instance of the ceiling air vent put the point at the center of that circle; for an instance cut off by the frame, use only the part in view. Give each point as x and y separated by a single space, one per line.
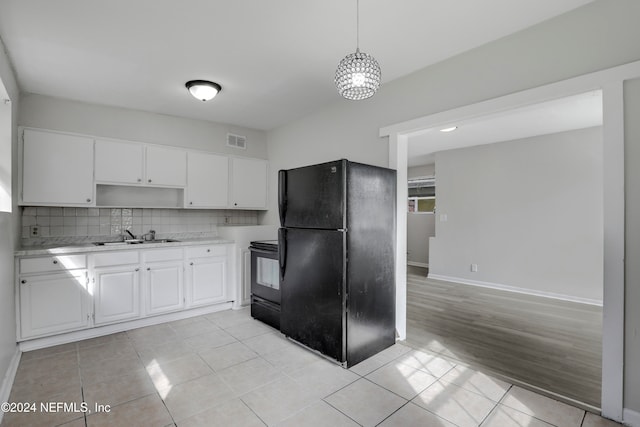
236 141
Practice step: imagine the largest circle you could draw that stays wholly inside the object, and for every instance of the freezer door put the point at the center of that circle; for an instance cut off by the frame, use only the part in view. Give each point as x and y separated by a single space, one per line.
313 196
313 289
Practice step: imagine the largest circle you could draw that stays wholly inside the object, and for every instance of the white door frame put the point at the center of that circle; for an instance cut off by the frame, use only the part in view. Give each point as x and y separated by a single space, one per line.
611 82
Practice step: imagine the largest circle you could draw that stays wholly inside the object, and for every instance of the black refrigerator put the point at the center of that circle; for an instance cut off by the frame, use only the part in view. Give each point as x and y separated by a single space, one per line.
337 258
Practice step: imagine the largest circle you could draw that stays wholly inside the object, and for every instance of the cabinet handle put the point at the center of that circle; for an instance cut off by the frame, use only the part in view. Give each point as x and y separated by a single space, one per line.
190 203
149 180
55 261
24 281
148 268
191 264
235 204
137 269
208 250
139 179
88 200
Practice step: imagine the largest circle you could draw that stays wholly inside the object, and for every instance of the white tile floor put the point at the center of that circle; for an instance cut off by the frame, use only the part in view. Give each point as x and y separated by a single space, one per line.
226 369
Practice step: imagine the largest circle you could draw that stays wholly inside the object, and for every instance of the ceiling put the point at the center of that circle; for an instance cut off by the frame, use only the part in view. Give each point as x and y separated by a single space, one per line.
275 59
559 115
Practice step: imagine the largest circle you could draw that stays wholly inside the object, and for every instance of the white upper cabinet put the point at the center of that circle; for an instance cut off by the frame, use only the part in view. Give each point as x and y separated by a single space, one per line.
119 162
207 181
248 183
57 169
125 163
69 170
166 166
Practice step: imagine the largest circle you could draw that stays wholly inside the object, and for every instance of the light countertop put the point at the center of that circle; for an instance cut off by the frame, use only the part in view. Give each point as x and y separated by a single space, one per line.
90 247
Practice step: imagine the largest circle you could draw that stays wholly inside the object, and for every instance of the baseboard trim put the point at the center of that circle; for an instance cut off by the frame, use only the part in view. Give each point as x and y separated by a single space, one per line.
9 377
515 289
418 264
630 418
37 343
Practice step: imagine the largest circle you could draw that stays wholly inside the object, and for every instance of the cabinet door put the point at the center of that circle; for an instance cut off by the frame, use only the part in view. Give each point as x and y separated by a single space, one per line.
116 294
249 183
208 278
119 162
207 181
57 169
53 303
165 287
166 166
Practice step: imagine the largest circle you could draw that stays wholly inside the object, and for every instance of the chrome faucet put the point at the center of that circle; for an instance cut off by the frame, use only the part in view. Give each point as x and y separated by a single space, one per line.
130 234
151 235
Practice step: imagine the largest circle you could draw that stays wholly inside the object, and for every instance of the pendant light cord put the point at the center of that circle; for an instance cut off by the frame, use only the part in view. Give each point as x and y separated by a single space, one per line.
357 25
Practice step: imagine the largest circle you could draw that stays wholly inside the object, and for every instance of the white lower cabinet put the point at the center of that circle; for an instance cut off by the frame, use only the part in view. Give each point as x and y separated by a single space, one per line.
116 294
164 284
207 275
208 279
164 287
116 286
53 303
53 293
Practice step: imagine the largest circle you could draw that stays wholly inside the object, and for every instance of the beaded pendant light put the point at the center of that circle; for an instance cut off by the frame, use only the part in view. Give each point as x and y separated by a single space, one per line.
358 74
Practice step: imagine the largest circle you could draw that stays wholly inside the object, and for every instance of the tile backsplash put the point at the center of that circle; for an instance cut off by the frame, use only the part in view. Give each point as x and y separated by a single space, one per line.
58 221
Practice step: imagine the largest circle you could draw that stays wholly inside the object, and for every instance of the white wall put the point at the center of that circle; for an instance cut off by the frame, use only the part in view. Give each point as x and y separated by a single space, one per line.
421 171
527 212
419 226
120 123
5 150
632 245
569 45
597 36
8 229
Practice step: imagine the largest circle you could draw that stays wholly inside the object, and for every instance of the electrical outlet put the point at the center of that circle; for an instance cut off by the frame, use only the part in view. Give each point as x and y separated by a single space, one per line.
34 231
474 268
443 218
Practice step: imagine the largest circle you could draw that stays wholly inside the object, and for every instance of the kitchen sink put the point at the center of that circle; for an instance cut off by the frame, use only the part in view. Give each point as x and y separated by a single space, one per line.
110 243
134 242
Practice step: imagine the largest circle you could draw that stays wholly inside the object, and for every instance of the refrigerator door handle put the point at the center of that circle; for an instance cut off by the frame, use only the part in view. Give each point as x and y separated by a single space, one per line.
282 251
282 195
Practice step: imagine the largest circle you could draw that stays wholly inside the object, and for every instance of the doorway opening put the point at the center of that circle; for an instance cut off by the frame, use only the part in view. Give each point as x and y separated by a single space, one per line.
515 277
611 82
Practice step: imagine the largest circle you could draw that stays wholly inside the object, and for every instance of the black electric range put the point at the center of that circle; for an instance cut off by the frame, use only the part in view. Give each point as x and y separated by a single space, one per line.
265 282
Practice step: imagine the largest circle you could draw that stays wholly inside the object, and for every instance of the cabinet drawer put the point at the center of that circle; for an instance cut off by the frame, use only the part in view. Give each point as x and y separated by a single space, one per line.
206 251
52 263
116 258
163 255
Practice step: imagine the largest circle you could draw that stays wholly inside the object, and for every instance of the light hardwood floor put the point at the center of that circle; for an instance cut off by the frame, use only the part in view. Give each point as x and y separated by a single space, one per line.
548 344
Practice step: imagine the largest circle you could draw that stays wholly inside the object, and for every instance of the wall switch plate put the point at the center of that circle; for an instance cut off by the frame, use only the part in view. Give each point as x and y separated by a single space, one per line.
34 231
443 217
474 268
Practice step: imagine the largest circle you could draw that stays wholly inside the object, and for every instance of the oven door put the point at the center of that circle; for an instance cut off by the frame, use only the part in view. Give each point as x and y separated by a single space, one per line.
265 275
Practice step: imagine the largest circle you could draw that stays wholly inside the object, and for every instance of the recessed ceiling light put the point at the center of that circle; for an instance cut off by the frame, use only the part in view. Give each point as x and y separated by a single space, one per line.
451 129
203 90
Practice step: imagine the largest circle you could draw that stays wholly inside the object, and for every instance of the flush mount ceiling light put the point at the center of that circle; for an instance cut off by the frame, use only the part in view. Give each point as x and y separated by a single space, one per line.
358 74
451 129
203 90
